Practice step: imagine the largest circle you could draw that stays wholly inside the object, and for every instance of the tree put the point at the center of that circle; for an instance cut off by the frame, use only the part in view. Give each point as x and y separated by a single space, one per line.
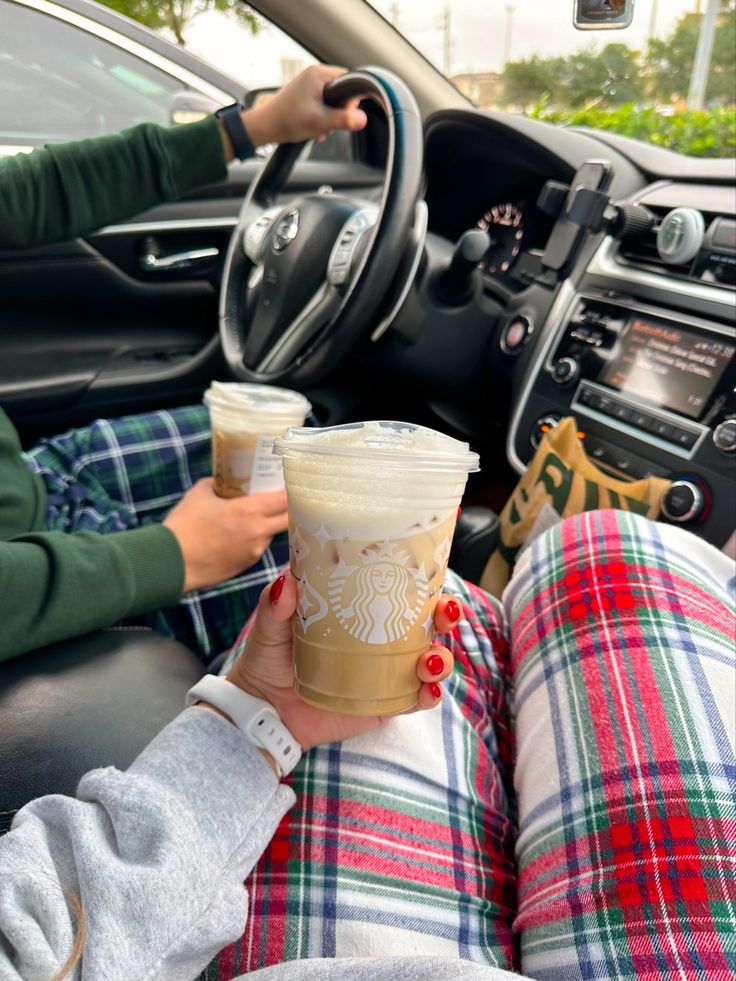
533 80
609 77
670 60
178 14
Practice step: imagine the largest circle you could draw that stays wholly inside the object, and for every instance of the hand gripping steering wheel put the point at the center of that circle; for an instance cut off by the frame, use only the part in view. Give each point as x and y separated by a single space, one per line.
303 281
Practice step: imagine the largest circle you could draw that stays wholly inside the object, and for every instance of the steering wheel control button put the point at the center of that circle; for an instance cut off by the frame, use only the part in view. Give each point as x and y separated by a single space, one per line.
341 258
254 240
542 426
566 371
515 334
724 436
684 501
286 231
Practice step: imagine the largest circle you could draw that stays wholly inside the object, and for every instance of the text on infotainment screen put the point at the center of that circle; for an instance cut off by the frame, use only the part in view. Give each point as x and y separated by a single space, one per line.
676 369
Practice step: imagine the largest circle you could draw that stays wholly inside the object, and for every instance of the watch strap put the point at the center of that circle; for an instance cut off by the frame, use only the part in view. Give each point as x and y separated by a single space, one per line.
257 720
233 122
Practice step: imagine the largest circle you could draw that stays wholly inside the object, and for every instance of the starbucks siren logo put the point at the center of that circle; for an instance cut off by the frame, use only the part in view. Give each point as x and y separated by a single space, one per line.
378 601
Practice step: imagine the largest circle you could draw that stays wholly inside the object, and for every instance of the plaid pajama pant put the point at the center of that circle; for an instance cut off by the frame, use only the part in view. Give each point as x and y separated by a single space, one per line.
125 473
568 811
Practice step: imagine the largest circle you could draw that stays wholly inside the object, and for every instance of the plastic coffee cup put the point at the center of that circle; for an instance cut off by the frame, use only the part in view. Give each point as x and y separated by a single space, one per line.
245 419
372 511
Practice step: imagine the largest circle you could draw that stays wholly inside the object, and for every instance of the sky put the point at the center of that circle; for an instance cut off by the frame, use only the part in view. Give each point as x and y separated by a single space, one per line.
478 34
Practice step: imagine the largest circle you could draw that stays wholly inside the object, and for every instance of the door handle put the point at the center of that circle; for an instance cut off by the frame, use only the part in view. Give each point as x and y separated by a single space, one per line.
150 262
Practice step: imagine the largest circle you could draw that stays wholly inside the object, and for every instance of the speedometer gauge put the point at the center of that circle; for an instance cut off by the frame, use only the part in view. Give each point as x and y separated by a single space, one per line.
505 224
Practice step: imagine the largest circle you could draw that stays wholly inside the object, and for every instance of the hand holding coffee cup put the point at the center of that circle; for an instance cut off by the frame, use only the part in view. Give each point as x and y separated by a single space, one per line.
266 668
372 511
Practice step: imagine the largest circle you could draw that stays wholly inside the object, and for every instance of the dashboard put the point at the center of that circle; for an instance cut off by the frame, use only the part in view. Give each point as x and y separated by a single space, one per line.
633 332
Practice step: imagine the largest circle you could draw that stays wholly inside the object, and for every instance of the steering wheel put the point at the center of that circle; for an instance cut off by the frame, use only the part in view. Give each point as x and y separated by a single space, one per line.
303 281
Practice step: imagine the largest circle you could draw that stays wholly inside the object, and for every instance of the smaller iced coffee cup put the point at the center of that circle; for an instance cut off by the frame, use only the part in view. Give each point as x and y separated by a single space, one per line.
245 419
372 511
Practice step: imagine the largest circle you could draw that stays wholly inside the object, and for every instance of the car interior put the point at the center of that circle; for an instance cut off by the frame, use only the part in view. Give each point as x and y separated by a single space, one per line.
482 273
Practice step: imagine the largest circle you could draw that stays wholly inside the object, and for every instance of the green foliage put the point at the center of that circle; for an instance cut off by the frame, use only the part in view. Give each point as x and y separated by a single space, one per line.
611 76
526 81
177 14
617 75
711 133
669 62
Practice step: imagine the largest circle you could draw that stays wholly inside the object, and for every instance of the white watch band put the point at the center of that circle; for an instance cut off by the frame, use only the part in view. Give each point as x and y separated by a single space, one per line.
257 720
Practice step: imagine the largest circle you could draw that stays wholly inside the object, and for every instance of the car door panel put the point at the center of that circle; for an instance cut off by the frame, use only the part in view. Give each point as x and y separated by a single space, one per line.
86 330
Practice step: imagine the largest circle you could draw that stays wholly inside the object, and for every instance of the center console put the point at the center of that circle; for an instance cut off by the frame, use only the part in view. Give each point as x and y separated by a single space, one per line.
653 392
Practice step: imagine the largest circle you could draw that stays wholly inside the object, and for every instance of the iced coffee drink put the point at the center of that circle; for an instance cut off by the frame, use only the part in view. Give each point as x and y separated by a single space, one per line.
245 420
372 510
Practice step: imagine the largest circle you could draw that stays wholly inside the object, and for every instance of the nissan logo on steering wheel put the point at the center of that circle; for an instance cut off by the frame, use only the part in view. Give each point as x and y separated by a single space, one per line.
286 231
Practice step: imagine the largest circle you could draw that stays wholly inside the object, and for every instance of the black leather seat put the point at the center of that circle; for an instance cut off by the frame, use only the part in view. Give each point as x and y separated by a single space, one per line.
476 536
92 701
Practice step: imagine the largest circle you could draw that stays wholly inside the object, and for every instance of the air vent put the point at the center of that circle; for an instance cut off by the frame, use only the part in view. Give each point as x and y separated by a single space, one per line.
642 252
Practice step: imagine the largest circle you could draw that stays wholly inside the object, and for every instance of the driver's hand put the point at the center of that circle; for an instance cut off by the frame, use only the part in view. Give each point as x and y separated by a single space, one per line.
220 537
298 112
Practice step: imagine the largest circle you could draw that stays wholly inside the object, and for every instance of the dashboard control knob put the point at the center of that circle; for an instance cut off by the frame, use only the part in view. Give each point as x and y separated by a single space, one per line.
542 426
684 501
566 371
724 436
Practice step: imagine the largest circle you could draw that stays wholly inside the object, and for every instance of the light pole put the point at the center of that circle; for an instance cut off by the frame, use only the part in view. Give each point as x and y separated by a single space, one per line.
699 77
507 44
446 29
653 19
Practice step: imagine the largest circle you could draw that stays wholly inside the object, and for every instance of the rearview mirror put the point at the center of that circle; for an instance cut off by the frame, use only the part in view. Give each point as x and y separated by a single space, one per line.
601 15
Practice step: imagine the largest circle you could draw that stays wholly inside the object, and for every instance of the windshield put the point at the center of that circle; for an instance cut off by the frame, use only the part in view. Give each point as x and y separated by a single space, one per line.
525 56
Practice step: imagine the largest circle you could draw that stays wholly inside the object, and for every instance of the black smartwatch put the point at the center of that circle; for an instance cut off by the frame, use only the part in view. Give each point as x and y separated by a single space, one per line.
232 121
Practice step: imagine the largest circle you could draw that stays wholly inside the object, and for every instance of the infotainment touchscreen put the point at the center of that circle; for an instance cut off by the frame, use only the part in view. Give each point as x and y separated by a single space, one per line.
676 369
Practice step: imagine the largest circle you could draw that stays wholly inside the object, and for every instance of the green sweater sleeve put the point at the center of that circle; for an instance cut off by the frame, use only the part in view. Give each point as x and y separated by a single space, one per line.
72 189
55 585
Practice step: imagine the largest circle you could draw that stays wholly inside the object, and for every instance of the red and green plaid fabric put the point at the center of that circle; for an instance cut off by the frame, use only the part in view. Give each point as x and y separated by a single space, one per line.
123 473
401 841
622 698
623 643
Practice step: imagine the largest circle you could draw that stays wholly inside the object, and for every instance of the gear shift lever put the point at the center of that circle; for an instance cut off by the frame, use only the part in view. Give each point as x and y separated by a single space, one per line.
454 284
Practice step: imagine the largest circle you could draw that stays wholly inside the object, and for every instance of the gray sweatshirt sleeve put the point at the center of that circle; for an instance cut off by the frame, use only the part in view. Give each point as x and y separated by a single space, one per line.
157 856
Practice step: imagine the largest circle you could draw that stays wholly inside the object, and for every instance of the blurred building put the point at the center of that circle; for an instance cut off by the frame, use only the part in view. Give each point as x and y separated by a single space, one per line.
485 89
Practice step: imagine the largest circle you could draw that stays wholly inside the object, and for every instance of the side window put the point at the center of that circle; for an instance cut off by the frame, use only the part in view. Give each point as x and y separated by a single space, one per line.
59 82
268 58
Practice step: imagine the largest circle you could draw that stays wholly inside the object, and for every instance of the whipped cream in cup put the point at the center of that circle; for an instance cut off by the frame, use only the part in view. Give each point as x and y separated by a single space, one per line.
245 420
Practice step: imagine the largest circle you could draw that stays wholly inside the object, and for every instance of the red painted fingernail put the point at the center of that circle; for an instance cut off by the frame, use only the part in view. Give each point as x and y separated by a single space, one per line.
459 512
453 610
276 589
435 690
435 664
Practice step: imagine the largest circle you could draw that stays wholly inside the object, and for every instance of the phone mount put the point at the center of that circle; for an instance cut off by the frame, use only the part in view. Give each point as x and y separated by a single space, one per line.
579 209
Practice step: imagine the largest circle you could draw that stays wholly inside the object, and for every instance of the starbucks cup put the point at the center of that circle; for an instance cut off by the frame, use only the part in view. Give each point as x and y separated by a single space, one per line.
372 510
245 419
